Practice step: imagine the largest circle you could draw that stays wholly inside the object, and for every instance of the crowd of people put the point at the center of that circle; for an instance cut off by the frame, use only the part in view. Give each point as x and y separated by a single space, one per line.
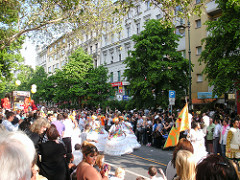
62 144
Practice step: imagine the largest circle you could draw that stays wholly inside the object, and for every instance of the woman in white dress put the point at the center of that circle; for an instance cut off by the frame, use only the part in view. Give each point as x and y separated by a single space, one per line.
127 129
117 143
97 133
196 137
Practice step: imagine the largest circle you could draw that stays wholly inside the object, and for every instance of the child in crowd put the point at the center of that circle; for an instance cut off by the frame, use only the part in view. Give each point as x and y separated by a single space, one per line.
119 174
152 171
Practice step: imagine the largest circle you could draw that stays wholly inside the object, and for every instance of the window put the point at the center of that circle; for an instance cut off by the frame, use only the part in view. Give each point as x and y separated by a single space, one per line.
96 47
128 31
198 23
55 57
63 52
64 40
177 9
120 56
51 49
111 77
57 66
158 16
63 63
105 39
50 59
128 15
198 1
49 69
148 5
199 78
55 46
104 58
138 28
119 76
95 63
119 35
112 38
86 37
199 50
111 58
183 53
90 49
138 9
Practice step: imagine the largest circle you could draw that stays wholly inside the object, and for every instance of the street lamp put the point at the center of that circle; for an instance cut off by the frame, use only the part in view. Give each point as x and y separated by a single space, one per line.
181 29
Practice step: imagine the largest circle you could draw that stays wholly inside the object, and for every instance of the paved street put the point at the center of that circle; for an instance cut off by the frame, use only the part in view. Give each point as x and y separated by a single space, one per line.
137 163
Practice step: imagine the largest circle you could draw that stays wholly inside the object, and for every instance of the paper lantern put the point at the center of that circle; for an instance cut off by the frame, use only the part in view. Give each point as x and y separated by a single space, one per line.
17 82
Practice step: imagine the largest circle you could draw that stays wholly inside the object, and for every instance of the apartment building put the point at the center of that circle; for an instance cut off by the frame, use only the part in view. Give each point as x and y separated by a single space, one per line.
112 49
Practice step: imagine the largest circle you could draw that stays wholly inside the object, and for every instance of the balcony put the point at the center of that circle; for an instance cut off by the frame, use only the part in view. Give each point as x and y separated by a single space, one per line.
212 8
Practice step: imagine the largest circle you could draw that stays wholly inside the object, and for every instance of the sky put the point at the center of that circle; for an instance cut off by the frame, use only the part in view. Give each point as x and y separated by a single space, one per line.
29 53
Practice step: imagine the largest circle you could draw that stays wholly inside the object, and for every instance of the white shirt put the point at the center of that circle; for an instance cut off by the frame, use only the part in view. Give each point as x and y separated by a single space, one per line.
78 156
68 128
206 121
9 126
217 131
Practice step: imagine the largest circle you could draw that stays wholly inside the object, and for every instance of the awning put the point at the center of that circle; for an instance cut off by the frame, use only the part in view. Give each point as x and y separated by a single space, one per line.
202 101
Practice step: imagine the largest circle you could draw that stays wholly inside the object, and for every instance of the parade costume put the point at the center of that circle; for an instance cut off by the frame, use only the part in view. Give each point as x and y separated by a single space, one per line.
97 133
130 135
197 140
233 143
117 143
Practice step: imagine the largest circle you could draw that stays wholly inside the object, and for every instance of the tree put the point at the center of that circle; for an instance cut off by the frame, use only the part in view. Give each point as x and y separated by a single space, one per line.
221 54
97 87
155 66
69 80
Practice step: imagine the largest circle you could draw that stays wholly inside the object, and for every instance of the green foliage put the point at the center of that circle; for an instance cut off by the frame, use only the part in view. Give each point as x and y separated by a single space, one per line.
155 66
97 87
221 54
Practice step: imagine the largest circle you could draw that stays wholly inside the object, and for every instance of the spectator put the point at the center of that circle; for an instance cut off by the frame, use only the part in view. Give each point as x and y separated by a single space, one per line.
183 144
119 174
59 124
37 129
85 169
223 136
216 136
209 138
99 162
77 154
216 167
152 171
233 140
52 162
185 165
16 155
8 122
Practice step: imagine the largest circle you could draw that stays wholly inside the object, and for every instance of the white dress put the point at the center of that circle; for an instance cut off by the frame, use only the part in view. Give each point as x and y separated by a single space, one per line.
132 139
117 143
99 134
198 142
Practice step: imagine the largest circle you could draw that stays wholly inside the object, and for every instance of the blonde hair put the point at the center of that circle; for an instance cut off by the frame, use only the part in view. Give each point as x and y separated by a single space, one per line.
185 165
99 161
120 172
38 124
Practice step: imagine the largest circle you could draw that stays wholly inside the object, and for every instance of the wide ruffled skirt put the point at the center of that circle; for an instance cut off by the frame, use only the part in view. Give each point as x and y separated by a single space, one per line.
132 140
117 146
99 135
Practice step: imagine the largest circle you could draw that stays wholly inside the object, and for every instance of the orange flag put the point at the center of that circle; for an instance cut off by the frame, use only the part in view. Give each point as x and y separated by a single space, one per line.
173 138
181 124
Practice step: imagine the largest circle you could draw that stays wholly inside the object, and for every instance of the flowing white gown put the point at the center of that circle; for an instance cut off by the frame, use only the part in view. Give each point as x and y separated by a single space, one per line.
117 143
99 134
132 139
196 137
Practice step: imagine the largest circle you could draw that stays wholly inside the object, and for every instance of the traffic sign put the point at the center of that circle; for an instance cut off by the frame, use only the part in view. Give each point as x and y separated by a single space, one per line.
172 94
171 101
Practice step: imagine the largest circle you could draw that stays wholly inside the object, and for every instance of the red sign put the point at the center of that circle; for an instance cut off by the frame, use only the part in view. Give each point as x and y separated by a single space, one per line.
120 90
116 84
